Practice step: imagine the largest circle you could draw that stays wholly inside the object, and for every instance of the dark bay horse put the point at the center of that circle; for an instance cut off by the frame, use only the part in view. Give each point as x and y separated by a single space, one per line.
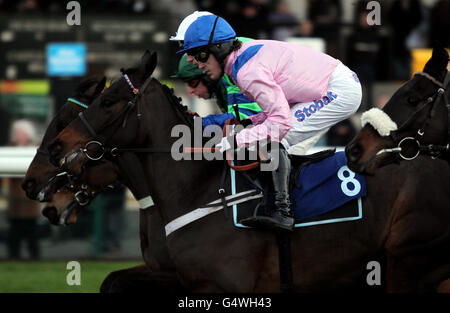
210 254
59 198
417 111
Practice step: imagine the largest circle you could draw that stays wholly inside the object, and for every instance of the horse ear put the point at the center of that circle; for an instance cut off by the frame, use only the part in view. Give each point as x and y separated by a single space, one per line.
148 64
100 86
94 88
437 65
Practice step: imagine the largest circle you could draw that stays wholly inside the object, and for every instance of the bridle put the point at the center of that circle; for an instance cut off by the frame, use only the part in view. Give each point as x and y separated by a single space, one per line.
116 151
82 195
124 112
431 149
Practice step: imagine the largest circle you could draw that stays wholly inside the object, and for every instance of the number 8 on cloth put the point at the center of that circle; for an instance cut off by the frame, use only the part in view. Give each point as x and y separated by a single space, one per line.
326 185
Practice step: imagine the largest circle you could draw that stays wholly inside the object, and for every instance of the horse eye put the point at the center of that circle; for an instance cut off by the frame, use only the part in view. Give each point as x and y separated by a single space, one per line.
107 103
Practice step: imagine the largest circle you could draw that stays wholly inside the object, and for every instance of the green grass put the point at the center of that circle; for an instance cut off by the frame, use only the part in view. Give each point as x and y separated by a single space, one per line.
50 277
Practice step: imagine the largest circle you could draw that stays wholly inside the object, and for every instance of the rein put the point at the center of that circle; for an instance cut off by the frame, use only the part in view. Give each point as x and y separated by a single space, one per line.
115 151
226 133
135 102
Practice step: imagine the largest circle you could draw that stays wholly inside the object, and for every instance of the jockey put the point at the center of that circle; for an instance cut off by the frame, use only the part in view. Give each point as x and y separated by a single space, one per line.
198 83
225 92
300 91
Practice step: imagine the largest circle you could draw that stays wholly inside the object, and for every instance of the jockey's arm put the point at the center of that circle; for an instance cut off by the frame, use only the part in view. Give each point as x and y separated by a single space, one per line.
216 119
220 119
268 94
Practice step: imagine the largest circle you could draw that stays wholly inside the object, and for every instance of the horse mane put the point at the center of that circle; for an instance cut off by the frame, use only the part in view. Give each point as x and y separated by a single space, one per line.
84 86
177 104
170 95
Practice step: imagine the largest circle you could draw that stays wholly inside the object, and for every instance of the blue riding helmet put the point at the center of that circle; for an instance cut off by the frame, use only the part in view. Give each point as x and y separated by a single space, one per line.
212 31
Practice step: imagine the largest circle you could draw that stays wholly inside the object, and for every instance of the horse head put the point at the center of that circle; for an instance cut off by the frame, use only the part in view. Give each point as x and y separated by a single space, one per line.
69 200
414 116
41 171
84 139
43 181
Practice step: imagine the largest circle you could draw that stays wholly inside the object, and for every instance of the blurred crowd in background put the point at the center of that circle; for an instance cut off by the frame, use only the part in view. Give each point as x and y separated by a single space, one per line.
375 52
367 49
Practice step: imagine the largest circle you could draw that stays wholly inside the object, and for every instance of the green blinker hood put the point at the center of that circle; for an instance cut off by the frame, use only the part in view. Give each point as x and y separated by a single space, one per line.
187 69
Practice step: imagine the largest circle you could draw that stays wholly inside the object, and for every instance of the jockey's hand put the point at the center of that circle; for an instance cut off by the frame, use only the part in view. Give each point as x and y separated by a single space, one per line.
245 122
226 143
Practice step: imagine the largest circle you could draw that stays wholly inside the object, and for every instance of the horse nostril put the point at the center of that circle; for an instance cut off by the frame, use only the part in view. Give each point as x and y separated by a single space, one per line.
28 184
51 214
354 152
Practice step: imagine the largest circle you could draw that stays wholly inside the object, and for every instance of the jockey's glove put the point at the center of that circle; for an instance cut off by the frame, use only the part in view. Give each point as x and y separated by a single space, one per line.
245 122
227 143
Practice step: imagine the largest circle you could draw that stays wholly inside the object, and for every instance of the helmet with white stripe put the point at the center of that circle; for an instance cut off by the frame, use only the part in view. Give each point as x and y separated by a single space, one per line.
184 25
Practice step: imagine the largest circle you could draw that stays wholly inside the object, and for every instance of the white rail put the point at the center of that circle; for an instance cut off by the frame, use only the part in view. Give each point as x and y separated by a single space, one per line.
14 161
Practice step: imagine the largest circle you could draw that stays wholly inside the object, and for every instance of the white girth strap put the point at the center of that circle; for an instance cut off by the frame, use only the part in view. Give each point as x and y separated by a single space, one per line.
202 212
382 123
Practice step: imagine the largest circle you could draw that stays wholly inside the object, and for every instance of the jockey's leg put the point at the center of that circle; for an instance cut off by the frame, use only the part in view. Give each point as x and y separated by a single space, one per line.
282 217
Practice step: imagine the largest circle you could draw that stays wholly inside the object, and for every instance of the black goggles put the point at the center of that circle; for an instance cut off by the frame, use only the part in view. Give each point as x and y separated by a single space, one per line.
201 55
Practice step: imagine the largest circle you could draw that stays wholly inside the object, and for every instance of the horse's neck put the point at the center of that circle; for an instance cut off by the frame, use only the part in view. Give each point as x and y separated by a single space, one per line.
399 190
133 175
182 186
176 186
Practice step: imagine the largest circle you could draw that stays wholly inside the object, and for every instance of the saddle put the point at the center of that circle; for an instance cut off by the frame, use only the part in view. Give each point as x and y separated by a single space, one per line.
260 181
313 195
322 189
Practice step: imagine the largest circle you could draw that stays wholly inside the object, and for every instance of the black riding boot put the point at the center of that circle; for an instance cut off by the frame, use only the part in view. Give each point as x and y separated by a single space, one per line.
282 216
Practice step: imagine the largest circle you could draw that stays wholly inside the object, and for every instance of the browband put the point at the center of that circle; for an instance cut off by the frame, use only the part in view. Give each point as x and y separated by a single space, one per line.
81 104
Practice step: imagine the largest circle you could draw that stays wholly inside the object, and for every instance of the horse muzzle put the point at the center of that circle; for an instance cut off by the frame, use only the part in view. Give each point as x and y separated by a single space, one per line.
29 185
52 186
354 152
66 216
